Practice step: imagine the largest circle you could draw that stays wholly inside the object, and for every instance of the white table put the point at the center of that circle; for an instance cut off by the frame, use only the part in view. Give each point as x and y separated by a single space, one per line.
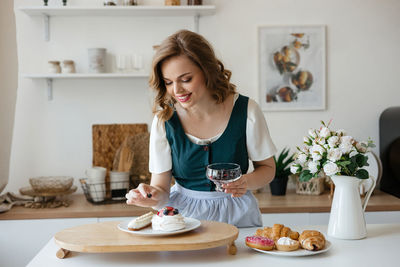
380 248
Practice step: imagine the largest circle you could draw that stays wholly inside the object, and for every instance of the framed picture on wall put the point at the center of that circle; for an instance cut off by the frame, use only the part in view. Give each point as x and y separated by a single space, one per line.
291 65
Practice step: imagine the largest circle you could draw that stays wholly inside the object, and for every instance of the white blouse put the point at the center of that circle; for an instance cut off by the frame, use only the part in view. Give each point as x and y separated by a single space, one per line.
259 143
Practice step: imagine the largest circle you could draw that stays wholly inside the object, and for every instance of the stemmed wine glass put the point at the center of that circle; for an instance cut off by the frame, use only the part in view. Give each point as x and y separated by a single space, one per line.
223 173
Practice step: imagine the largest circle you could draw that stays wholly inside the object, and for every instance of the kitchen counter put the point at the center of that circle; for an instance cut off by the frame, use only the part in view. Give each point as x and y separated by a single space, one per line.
380 248
290 203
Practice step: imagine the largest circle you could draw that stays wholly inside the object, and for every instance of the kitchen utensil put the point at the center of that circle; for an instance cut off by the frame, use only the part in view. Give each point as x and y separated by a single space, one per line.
139 144
106 237
51 184
125 157
119 184
346 220
223 173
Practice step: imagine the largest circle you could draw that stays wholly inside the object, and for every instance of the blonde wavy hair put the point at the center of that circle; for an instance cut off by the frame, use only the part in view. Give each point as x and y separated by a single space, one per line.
201 53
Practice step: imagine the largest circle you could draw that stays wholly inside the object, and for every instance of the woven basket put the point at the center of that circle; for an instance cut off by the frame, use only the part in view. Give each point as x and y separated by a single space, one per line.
315 186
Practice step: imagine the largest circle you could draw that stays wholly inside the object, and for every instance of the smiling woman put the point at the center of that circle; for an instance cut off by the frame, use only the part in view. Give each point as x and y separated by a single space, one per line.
200 120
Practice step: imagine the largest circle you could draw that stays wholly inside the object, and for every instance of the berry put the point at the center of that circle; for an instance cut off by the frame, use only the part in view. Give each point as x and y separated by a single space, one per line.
175 211
165 212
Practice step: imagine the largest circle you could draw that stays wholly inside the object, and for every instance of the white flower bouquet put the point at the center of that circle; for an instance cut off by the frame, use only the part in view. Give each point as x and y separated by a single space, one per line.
332 153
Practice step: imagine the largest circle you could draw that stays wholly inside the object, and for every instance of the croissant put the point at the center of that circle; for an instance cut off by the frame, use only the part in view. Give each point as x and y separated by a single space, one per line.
312 240
277 231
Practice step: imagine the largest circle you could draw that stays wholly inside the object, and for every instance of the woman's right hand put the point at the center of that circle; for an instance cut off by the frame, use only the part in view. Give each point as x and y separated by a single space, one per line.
145 196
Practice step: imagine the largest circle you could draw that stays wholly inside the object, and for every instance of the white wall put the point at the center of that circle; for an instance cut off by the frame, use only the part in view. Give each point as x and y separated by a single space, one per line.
54 138
8 85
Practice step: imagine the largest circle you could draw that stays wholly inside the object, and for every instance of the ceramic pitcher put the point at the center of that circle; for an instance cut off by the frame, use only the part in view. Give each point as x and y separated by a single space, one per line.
347 220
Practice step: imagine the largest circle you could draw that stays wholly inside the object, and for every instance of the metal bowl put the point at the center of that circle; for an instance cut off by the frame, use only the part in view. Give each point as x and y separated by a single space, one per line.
51 184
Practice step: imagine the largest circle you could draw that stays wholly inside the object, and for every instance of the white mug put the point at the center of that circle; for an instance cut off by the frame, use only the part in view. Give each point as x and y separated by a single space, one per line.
96 174
96 177
97 191
119 184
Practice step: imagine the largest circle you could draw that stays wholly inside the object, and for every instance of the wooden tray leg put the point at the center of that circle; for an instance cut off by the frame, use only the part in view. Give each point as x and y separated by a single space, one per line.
231 248
62 253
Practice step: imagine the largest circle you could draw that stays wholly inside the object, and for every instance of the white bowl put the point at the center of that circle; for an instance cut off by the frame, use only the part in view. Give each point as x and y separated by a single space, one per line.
51 184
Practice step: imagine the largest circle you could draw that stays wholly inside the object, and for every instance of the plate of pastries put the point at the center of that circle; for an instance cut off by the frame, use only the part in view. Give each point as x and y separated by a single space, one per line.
282 241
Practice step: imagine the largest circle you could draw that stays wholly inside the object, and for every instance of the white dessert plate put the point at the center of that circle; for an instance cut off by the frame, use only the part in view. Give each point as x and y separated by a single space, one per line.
296 253
191 224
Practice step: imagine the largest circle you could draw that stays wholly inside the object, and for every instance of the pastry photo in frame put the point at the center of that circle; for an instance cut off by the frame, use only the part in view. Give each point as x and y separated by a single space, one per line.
291 65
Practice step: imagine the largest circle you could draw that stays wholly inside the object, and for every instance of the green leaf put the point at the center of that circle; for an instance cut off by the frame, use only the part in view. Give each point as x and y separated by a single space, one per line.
362 174
283 162
361 160
352 167
305 176
343 163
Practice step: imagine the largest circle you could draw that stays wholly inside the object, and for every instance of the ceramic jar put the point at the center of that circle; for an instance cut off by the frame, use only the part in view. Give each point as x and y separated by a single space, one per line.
110 2
172 2
346 220
97 60
54 67
129 2
194 2
68 66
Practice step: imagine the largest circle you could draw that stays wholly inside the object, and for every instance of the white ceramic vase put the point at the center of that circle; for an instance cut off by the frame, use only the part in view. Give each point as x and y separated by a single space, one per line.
347 219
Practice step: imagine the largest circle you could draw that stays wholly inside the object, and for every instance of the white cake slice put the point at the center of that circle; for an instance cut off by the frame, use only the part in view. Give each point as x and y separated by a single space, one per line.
140 222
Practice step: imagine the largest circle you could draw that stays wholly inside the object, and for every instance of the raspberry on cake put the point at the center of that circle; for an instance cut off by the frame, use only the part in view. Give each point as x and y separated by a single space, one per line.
168 219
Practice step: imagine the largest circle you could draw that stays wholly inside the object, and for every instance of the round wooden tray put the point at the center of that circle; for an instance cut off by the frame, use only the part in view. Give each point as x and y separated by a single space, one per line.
106 237
30 192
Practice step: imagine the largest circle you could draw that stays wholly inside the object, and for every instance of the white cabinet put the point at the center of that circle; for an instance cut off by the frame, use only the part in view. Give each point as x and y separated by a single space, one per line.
21 240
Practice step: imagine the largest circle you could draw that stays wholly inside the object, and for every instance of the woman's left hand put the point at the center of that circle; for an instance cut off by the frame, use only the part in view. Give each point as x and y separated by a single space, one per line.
237 188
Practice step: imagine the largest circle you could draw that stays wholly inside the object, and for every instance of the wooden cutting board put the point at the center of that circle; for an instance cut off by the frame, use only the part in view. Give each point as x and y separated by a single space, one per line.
106 237
107 138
